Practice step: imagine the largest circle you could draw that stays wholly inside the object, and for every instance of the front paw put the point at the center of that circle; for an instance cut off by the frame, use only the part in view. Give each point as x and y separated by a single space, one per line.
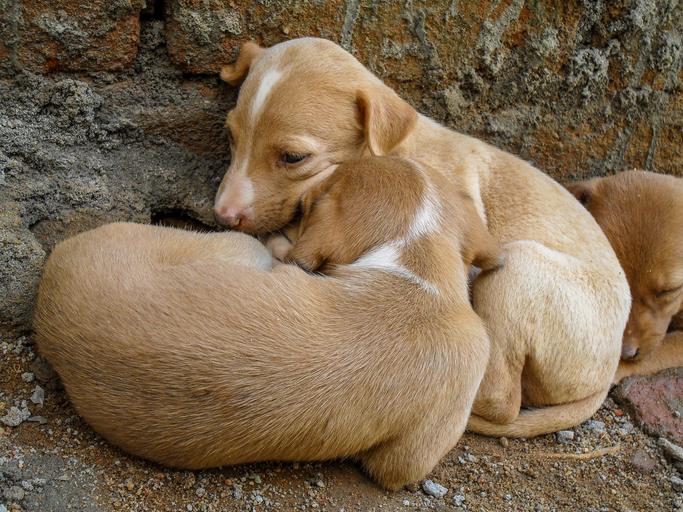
279 246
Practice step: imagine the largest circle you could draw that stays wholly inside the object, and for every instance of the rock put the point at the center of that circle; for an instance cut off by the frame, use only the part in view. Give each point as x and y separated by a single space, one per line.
677 483
28 377
237 491
458 500
38 396
406 503
434 489
41 420
200 491
594 425
672 451
14 493
504 442
564 436
15 416
653 400
643 462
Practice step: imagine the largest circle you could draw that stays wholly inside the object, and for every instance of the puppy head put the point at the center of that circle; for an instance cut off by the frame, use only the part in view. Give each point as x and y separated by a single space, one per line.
304 107
363 205
641 213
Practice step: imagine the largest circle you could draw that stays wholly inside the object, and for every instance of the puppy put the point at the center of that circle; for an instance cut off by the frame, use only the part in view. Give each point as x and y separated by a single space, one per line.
555 312
176 353
642 215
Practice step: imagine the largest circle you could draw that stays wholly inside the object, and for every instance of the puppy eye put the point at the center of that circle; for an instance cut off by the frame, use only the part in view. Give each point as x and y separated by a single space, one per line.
292 158
662 294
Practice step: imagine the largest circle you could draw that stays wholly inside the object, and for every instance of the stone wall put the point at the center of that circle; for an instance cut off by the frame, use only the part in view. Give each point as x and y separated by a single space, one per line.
111 110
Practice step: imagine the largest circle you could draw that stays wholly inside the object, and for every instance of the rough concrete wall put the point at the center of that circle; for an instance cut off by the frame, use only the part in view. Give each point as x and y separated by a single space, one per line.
111 110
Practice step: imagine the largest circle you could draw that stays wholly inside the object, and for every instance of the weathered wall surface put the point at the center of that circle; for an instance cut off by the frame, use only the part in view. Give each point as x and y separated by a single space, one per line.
112 110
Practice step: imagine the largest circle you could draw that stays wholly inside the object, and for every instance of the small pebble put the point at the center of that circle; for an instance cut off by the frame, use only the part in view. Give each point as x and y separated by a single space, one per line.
14 493
28 377
38 396
565 436
504 442
200 491
677 483
3 508
594 425
15 416
434 489
508 497
642 461
459 499
406 503
672 451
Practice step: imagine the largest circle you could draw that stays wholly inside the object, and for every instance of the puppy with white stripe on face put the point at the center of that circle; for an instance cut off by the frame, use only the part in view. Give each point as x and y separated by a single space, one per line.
241 362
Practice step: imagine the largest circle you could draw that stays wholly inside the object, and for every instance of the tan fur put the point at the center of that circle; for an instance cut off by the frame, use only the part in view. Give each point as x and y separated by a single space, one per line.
187 349
555 312
642 215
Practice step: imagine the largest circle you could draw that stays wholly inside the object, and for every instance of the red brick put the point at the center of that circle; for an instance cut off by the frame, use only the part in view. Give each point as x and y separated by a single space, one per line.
68 35
656 402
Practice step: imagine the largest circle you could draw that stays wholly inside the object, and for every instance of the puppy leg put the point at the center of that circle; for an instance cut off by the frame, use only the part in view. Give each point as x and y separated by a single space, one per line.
668 355
500 394
410 457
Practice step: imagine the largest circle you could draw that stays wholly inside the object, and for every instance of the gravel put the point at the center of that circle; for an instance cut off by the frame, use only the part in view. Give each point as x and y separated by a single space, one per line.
38 396
565 436
28 377
672 451
434 489
16 416
595 426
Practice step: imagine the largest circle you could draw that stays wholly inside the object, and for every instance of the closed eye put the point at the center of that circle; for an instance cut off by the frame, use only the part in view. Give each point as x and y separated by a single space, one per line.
669 292
288 158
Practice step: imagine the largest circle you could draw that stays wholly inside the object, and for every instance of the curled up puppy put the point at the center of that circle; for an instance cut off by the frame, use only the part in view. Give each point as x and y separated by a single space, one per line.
182 350
641 213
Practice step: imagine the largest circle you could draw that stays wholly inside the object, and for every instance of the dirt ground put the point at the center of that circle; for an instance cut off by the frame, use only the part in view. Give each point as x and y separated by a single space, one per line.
53 462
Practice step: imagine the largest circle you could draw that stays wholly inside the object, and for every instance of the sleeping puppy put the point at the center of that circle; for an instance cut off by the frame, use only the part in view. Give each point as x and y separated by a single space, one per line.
642 215
189 350
307 105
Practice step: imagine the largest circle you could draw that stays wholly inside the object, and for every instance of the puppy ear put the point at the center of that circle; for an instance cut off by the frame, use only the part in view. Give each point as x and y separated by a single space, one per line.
582 190
387 119
234 73
481 249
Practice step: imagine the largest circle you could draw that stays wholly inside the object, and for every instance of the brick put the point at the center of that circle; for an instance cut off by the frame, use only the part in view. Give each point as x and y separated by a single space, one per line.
656 402
68 35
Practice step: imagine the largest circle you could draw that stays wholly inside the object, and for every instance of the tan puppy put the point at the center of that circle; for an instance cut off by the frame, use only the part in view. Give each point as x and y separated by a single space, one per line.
555 312
177 352
642 215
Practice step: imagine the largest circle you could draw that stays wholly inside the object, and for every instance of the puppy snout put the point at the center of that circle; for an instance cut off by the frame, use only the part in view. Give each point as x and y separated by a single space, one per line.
228 217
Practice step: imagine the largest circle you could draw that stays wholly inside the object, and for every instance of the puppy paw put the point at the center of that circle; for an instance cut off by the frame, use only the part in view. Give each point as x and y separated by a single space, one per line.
279 246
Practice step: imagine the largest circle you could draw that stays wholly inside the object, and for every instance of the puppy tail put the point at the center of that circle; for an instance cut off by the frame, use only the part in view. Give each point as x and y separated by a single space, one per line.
545 420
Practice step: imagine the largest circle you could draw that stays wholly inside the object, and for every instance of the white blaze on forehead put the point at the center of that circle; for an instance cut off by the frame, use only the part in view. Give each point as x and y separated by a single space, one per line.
271 77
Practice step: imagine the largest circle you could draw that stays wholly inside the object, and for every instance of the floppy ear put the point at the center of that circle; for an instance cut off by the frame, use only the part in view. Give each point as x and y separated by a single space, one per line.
582 190
234 73
387 119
